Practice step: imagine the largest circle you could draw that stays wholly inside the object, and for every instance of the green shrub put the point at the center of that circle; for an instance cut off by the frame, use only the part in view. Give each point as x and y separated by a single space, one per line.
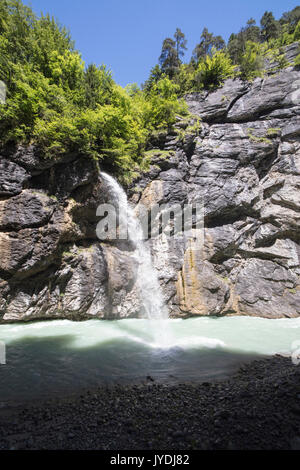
213 70
297 60
54 102
252 61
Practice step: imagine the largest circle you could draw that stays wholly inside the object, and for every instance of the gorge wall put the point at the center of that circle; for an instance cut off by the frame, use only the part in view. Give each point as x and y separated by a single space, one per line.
242 160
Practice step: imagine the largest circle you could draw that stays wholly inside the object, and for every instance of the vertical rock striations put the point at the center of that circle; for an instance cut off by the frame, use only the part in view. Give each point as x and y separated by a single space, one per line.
243 161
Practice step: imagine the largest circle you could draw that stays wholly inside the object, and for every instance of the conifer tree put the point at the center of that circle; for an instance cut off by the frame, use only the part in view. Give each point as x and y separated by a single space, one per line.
180 42
207 42
269 26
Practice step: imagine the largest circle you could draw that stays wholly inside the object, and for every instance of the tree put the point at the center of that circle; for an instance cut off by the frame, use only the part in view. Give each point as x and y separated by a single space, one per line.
185 78
164 104
171 53
155 75
297 32
213 70
291 18
55 103
235 47
252 62
269 26
98 84
168 59
180 42
207 42
219 43
252 32
4 18
237 42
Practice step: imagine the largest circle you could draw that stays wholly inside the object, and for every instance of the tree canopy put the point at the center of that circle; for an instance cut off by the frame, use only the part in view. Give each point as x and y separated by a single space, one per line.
62 105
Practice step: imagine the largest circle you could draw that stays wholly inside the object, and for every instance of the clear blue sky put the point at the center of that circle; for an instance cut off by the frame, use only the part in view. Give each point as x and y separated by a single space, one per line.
127 35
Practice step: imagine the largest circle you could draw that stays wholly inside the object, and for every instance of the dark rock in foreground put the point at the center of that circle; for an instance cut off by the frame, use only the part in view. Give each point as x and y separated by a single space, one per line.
258 408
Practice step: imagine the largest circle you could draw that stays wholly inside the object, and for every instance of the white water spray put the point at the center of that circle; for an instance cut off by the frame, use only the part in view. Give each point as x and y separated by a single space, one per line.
148 283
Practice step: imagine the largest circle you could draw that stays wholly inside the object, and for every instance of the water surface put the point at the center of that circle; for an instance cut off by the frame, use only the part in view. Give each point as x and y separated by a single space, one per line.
55 358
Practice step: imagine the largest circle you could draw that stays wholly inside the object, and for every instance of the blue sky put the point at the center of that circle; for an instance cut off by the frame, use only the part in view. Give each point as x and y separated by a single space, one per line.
127 35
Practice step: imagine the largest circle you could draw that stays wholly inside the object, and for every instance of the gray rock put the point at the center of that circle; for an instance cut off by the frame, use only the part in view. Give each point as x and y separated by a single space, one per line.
25 210
12 178
266 95
215 105
243 164
266 289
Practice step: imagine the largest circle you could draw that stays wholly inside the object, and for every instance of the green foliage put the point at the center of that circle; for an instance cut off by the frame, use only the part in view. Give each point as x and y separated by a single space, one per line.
155 75
208 43
273 34
252 61
98 86
237 42
235 47
185 79
291 19
171 53
53 101
168 59
212 71
248 50
251 32
161 105
273 132
180 43
297 32
278 58
192 127
254 138
269 26
56 102
297 60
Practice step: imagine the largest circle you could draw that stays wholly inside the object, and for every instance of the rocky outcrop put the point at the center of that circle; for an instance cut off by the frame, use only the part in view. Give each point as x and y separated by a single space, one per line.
52 264
242 161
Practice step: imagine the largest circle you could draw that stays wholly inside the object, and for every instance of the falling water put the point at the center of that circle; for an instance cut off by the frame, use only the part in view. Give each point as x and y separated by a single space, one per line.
148 284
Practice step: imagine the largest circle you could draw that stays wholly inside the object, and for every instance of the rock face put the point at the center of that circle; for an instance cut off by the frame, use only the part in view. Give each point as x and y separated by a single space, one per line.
52 264
242 162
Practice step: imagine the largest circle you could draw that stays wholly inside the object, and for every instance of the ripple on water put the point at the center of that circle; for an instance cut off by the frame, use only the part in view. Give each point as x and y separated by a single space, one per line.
62 356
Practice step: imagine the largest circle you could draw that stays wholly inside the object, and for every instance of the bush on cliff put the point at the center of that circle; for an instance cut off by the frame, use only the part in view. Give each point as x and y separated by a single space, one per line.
53 101
213 70
56 102
252 61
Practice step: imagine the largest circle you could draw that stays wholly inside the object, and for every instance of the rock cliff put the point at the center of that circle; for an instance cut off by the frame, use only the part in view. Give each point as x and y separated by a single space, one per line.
239 154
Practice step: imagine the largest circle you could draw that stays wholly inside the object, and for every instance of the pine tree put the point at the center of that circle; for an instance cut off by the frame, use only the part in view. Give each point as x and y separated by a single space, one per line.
206 44
155 75
291 18
180 42
269 26
235 47
252 32
168 59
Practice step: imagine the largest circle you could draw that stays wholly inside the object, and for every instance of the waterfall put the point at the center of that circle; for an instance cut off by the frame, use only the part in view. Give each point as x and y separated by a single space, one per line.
147 280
